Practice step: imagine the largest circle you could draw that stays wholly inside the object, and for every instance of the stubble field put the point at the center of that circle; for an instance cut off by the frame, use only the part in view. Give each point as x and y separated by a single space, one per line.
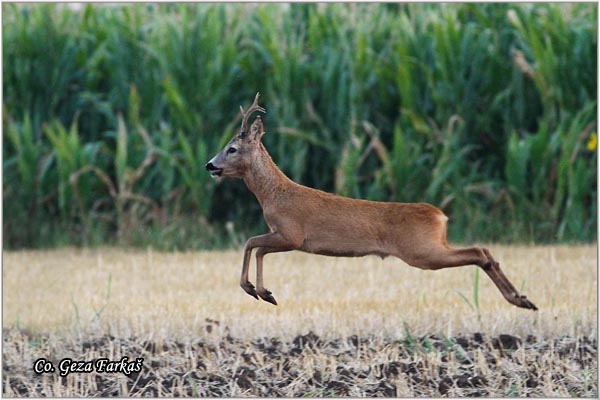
343 327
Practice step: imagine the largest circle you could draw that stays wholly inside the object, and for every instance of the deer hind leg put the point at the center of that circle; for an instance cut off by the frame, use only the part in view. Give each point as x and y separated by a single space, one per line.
446 257
492 269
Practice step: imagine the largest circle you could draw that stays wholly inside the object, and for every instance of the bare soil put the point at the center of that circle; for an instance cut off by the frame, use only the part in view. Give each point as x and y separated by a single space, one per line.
226 366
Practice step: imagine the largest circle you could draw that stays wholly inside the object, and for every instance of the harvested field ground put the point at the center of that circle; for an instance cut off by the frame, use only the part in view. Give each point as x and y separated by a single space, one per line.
343 327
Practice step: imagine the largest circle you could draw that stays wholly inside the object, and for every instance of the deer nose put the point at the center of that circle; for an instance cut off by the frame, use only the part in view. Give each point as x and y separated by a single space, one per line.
210 166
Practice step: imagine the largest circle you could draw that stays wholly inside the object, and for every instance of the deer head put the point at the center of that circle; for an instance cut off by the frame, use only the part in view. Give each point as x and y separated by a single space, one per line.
234 158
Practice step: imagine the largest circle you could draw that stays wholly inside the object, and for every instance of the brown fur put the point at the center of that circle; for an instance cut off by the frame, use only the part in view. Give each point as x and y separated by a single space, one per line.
313 221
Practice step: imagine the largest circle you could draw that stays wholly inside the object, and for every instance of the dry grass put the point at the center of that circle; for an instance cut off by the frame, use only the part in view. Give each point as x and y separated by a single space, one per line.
173 293
157 305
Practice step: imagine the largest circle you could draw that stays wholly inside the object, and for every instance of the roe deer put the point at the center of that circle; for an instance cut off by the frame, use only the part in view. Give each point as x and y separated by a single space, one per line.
309 220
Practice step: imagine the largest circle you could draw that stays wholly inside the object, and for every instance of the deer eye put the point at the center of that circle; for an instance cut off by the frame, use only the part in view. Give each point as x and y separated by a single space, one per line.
231 150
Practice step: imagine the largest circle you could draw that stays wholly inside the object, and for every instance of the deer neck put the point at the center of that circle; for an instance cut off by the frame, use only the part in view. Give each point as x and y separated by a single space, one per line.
264 178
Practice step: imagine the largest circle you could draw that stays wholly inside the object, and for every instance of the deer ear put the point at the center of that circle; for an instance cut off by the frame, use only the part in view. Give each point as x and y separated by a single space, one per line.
257 130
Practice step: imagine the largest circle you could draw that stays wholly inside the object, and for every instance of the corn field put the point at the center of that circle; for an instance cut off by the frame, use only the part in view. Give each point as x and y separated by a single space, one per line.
487 111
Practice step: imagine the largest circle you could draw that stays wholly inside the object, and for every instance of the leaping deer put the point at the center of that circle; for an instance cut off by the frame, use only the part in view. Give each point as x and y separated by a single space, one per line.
313 221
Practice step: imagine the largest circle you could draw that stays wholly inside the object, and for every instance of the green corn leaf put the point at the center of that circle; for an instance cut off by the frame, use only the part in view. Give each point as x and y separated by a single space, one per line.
121 152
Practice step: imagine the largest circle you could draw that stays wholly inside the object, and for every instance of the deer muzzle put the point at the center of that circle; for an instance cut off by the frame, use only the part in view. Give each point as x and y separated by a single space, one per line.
214 171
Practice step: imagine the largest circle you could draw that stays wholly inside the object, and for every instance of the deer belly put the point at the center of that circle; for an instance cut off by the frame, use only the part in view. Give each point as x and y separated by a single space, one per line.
342 247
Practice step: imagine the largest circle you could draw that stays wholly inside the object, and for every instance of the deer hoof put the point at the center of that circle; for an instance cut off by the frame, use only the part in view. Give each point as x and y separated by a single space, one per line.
523 302
249 288
267 296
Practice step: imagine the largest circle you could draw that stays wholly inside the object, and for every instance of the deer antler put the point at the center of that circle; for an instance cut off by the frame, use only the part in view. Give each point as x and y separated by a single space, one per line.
246 115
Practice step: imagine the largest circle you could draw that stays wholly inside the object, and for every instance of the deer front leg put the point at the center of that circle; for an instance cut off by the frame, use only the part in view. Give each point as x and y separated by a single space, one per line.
268 243
244 282
265 294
